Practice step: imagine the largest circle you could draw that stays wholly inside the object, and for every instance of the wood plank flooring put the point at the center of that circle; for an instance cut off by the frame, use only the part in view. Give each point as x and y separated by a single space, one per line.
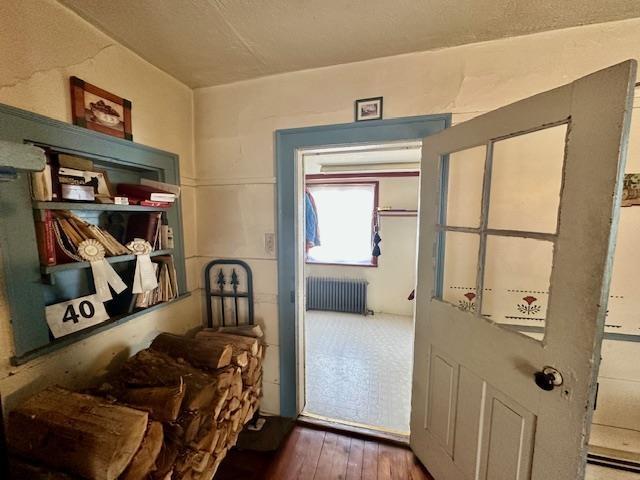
310 454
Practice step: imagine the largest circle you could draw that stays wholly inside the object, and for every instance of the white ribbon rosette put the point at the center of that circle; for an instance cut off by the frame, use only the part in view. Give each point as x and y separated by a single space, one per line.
144 278
103 273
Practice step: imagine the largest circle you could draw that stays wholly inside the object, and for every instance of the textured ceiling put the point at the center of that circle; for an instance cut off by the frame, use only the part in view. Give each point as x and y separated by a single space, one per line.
210 42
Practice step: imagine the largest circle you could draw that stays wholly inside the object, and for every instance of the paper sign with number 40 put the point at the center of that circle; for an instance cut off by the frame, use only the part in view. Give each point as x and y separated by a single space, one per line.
77 314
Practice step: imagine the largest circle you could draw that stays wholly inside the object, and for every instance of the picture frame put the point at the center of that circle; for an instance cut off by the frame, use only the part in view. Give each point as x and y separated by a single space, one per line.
99 110
631 190
367 109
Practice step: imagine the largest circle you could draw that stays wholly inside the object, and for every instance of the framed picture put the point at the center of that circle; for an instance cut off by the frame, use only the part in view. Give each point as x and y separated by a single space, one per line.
631 190
99 110
368 109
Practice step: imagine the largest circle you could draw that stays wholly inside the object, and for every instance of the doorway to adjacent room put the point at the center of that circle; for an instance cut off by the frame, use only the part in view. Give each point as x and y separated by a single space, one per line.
358 238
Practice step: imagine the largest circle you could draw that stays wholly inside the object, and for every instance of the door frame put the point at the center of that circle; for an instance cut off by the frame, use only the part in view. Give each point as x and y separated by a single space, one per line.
289 143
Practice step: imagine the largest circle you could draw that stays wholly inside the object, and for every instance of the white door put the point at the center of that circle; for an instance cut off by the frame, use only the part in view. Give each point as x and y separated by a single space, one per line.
519 210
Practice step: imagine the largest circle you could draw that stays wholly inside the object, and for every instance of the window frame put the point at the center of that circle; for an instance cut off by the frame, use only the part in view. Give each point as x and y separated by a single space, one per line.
348 179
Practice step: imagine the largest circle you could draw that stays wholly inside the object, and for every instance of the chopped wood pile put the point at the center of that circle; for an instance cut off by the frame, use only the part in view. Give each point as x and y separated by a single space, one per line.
171 412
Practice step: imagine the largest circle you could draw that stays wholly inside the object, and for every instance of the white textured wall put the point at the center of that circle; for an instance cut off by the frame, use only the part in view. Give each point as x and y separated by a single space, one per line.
42 44
235 127
393 279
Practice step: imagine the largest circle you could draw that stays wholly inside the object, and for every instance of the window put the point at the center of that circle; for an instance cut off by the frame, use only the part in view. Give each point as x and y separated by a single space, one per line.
344 216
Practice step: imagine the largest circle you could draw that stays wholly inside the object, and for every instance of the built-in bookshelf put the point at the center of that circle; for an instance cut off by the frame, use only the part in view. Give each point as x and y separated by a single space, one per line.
32 286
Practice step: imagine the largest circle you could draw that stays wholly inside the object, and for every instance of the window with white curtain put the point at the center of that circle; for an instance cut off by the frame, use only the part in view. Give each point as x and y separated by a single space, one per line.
345 215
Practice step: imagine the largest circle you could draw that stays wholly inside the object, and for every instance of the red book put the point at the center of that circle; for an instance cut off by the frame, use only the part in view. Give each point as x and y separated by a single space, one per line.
145 192
45 237
143 225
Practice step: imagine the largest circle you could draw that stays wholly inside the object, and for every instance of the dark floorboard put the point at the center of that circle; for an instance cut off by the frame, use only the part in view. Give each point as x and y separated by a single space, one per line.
310 454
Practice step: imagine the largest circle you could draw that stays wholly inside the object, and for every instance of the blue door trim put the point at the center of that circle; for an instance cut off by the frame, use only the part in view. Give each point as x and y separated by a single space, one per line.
288 142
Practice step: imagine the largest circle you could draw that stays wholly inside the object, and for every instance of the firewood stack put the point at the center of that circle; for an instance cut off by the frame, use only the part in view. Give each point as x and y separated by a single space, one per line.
172 412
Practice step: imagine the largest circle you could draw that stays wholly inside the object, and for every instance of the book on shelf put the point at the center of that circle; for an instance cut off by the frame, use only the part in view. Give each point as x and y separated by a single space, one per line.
161 186
41 186
145 226
145 193
45 237
166 237
167 288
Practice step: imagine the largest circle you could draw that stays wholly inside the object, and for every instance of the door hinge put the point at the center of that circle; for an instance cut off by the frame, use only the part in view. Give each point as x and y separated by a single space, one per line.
293 296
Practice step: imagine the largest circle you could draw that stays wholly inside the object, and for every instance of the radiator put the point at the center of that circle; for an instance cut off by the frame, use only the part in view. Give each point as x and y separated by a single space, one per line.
337 294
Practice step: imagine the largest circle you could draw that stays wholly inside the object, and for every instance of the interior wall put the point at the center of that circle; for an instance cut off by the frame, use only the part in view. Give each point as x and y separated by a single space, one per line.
235 124
42 44
391 282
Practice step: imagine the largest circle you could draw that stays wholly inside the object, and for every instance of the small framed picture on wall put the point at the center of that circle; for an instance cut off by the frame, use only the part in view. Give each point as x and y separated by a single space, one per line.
99 110
369 109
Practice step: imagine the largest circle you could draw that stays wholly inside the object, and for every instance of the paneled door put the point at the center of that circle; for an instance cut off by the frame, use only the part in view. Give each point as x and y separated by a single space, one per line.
519 210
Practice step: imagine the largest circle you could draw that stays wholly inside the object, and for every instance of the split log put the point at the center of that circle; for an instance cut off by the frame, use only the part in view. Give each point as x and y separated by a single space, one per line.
253 374
21 469
215 338
144 461
239 357
198 353
254 331
162 403
77 433
153 368
208 438
235 389
239 354
167 457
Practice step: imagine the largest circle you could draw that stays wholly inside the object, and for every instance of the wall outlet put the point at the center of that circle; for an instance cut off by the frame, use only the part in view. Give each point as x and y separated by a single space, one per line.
270 243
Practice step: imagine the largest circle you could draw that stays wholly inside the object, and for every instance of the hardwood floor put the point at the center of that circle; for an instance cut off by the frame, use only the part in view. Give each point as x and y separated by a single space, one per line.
310 454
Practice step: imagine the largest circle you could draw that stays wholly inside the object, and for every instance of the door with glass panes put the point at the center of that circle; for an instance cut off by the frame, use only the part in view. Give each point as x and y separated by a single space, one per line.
519 210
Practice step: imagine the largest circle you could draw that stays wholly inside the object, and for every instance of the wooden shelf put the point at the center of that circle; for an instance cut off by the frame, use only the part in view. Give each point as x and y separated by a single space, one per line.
95 206
46 270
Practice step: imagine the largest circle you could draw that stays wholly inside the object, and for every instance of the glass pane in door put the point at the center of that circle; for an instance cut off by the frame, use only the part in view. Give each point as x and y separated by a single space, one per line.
463 187
459 269
526 179
517 273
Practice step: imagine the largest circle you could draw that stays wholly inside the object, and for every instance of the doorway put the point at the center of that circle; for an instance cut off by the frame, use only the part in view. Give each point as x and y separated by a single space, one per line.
289 146
358 236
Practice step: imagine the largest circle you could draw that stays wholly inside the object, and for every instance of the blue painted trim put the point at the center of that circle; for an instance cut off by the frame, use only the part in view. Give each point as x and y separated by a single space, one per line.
288 142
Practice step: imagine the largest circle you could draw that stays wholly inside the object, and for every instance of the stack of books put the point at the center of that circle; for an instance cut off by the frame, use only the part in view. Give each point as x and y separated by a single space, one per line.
59 232
149 193
72 178
167 288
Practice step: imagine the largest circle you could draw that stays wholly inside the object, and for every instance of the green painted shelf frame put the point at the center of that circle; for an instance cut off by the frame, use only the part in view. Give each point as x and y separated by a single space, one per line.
22 271
107 207
63 267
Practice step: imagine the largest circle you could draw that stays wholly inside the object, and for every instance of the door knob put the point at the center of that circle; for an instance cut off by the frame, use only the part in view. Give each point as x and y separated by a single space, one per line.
548 378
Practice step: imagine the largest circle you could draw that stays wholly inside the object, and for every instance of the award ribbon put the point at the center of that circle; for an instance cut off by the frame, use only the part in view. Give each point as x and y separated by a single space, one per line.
103 273
144 278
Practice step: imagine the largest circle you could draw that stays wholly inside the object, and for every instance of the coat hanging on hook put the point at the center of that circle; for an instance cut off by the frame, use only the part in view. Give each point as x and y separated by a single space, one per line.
376 243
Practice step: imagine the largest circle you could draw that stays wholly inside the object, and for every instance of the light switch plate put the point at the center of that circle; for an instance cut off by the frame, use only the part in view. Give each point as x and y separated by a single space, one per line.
270 243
